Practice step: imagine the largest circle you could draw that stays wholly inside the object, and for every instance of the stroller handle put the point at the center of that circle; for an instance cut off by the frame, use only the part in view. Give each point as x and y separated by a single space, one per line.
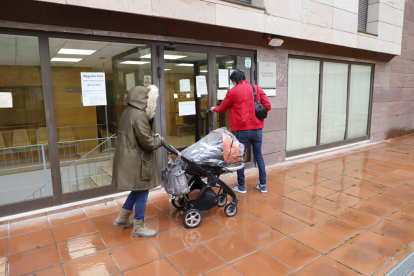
170 148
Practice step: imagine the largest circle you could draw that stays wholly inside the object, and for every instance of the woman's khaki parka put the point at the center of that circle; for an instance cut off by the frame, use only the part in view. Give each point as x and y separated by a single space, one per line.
134 166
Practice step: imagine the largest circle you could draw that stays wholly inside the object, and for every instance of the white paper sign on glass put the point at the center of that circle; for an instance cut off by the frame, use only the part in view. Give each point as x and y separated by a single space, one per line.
175 96
185 85
93 89
267 74
130 81
188 95
221 94
186 108
223 78
230 82
270 92
201 85
6 100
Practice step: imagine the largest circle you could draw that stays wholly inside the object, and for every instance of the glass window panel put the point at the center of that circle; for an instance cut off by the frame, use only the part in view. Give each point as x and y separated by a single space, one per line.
24 156
360 92
303 100
334 102
86 134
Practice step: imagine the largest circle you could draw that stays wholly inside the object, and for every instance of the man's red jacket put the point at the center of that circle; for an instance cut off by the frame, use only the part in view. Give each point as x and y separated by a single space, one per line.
240 101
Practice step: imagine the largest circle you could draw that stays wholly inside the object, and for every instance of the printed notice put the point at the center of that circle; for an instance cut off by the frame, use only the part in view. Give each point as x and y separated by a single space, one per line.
186 108
175 96
230 82
223 78
93 89
185 85
201 85
130 81
6 100
188 95
267 74
221 94
270 92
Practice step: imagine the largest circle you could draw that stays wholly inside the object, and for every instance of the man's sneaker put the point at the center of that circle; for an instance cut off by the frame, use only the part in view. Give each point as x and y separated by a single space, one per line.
262 188
239 189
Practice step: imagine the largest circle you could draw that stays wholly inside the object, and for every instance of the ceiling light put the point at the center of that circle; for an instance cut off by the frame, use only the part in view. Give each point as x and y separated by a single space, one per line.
185 64
167 69
66 59
231 67
134 62
166 56
76 52
229 61
203 71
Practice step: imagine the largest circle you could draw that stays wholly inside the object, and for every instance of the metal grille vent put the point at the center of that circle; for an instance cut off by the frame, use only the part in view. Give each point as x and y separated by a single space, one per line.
244 1
362 15
403 268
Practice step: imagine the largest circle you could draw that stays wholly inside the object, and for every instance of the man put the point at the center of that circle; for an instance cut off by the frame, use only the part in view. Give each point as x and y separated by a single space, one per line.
243 120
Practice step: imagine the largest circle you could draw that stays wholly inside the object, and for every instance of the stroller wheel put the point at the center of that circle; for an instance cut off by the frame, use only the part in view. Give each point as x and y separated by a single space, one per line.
192 218
230 210
178 202
222 202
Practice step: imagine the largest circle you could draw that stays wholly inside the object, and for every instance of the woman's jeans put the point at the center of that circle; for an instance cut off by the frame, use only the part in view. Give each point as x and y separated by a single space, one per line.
255 138
139 199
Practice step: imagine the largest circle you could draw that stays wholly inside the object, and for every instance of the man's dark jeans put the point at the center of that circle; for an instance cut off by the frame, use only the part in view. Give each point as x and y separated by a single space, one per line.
255 138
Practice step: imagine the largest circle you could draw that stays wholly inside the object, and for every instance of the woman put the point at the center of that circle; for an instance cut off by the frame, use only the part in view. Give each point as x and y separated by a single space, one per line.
134 161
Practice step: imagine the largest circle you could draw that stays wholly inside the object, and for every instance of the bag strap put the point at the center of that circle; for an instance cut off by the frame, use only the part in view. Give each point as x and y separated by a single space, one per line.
254 93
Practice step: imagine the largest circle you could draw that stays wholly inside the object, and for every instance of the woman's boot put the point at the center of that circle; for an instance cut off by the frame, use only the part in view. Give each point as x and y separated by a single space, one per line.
141 230
123 218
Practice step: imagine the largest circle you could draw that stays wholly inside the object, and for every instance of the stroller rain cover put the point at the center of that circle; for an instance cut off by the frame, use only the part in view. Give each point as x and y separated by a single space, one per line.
219 148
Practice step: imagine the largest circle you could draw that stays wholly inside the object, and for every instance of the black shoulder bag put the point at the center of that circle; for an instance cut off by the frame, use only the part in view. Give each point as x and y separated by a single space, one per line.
261 112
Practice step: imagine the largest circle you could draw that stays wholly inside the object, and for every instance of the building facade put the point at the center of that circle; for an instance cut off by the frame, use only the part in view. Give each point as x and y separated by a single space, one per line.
344 74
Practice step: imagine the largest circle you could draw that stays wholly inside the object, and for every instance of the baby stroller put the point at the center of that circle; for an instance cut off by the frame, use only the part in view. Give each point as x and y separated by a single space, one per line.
213 155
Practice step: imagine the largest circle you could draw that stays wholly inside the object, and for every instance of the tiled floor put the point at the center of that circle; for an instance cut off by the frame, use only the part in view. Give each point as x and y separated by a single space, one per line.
345 214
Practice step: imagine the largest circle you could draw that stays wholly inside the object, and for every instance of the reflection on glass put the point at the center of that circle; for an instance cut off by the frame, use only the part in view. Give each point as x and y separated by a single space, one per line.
186 79
86 134
24 156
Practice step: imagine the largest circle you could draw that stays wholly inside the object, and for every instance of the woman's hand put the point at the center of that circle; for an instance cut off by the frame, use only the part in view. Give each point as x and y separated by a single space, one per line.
212 108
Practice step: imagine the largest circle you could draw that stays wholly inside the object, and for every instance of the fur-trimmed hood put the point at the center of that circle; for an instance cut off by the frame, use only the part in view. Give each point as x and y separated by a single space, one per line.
144 98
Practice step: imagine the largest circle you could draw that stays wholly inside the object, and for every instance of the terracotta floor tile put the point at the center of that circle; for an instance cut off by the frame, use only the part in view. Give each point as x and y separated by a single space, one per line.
403 218
286 224
326 266
327 206
379 244
385 181
151 211
96 264
358 258
237 222
374 209
403 254
334 185
280 189
135 254
165 206
292 253
327 174
260 211
3 247
391 165
346 180
32 260
318 239
395 231
363 174
73 229
162 223
195 260
403 191
345 199
279 177
81 246
302 197
409 208
260 261
297 183
104 222
4 229
225 270
260 234
117 236
28 225
389 201
318 190
385 269
174 240
67 216
293 172
159 267
244 201
259 196
209 229
382 168
339 228
30 240
361 193
407 172
282 203
230 247
101 209
155 196
307 214
373 187
359 218
53 271
3 263
311 178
